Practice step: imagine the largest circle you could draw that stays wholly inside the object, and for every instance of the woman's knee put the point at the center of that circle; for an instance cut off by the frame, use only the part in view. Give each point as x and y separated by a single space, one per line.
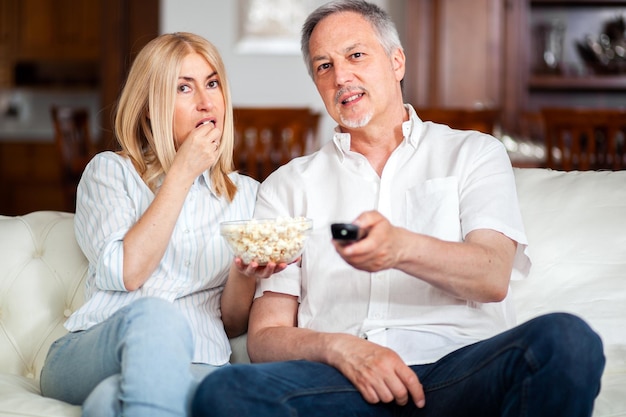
105 399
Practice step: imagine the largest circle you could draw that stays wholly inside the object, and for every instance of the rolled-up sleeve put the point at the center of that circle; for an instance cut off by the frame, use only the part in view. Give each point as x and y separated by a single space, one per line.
104 212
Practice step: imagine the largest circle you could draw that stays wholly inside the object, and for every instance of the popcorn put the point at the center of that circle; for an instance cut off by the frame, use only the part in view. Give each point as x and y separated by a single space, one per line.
267 240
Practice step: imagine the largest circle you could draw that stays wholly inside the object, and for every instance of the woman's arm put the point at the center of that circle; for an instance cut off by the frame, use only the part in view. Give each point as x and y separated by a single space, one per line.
146 241
236 301
238 293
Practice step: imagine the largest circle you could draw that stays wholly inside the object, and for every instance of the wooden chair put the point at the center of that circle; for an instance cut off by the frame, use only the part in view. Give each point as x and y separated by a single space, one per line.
75 148
585 139
482 120
266 138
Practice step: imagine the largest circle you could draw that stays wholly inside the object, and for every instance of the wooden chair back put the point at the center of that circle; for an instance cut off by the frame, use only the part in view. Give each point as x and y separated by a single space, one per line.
482 120
75 148
266 138
585 139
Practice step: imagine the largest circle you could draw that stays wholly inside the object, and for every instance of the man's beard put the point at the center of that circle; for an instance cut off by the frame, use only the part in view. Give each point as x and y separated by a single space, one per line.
355 124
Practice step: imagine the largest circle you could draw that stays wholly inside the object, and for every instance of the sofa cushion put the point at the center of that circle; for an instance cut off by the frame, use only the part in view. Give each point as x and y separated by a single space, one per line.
20 396
576 228
42 279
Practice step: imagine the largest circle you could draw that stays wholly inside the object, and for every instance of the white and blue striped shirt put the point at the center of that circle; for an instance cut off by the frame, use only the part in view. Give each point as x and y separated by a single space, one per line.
111 198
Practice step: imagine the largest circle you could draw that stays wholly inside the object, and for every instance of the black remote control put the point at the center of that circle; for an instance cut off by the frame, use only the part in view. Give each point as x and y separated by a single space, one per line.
346 232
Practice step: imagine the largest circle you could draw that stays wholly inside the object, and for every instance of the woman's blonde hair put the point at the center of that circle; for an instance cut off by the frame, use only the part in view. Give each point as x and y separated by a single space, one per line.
145 110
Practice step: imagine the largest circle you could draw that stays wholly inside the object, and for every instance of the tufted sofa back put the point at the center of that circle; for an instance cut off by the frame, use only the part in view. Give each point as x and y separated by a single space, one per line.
42 273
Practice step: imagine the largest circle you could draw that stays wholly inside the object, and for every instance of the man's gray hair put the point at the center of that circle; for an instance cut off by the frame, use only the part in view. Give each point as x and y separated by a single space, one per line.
381 22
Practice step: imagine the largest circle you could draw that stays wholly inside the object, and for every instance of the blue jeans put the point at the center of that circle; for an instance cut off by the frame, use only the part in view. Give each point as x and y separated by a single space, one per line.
548 366
136 363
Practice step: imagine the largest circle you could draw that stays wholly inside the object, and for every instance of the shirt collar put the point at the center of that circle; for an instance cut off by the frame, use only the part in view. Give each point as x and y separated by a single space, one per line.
411 130
342 142
204 180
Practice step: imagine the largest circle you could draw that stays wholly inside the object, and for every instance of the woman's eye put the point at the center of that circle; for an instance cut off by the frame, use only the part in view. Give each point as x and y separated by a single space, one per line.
184 88
213 84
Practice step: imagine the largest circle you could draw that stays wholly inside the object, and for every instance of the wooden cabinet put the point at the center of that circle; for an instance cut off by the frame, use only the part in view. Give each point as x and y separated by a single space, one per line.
454 53
578 20
106 32
573 84
30 178
7 41
58 30
481 53
42 38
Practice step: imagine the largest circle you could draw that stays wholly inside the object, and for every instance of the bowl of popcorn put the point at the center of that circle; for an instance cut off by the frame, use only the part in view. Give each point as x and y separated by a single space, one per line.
267 240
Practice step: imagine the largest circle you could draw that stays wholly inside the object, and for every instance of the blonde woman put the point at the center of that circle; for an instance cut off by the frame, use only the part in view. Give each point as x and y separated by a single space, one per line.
161 295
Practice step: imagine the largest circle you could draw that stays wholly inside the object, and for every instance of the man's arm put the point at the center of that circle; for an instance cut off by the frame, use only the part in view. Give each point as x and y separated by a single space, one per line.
478 269
377 372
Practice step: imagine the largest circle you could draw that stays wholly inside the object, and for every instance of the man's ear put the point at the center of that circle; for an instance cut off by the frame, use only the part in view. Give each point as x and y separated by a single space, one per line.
398 62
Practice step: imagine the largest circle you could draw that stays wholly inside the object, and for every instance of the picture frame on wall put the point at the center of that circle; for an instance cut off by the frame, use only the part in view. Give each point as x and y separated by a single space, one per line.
273 26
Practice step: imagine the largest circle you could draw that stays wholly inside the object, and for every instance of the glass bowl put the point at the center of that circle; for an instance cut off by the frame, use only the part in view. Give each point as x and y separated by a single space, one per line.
267 240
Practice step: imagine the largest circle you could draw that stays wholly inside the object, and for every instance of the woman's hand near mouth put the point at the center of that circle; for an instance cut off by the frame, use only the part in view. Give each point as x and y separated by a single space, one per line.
199 151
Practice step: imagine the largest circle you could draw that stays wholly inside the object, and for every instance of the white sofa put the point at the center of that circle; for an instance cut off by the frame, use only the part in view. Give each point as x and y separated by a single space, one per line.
576 224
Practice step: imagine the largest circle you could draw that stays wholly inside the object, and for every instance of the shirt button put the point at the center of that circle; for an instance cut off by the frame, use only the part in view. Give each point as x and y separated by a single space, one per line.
67 312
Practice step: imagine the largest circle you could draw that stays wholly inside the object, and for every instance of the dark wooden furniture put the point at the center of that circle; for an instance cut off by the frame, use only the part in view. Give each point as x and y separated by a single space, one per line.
268 137
75 147
585 139
29 177
483 120
460 54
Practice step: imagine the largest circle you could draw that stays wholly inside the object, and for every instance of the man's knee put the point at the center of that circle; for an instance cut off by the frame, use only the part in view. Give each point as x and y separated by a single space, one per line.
576 345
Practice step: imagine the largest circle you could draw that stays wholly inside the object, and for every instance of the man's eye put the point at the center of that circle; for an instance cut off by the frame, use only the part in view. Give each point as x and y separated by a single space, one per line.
357 55
323 67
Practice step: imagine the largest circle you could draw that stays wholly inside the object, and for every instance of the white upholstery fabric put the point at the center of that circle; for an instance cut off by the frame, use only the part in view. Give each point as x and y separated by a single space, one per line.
41 282
576 225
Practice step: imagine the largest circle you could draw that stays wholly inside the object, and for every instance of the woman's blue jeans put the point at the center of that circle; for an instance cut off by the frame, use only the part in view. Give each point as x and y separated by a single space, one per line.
135 363
548 366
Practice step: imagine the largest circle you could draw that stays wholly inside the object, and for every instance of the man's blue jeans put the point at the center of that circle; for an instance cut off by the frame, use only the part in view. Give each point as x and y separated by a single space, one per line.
136 363
548 366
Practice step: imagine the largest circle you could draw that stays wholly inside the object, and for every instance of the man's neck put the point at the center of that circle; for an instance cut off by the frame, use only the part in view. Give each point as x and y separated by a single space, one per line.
377 141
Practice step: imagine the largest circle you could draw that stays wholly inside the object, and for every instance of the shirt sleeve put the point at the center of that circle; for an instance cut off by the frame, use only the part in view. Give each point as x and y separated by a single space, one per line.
273 201
488 200
104 213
